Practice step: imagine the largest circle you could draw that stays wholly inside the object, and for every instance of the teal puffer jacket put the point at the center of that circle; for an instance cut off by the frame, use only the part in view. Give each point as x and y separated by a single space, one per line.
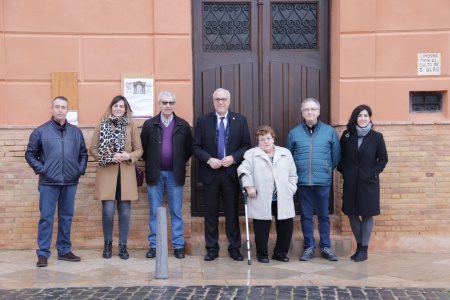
315 155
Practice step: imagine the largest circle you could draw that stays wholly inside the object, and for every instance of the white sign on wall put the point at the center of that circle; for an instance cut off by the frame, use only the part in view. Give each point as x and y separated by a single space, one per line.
139 90
428 64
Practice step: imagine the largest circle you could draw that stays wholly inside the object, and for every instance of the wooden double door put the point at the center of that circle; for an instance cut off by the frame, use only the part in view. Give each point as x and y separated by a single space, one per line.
270 55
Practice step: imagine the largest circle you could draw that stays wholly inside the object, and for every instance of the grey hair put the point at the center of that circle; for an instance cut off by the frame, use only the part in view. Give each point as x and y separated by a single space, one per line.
223 90
168 94
311 100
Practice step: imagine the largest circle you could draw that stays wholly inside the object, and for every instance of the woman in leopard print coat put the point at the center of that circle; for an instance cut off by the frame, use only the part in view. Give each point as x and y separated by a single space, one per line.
116 146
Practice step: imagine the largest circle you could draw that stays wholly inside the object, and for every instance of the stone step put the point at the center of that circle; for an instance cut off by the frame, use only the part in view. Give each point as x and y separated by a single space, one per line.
195 244
341 245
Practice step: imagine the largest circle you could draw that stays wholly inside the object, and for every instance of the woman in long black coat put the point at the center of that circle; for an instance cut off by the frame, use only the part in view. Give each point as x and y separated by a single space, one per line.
363 158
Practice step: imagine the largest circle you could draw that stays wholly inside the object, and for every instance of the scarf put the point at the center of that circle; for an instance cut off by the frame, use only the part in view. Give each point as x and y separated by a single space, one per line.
362 132
112 139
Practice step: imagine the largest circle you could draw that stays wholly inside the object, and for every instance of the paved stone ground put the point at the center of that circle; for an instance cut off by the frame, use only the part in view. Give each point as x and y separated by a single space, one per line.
227 292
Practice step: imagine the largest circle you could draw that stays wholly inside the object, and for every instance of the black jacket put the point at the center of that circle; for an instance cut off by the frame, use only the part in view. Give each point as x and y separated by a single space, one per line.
205 144
360 170
58 154
151 137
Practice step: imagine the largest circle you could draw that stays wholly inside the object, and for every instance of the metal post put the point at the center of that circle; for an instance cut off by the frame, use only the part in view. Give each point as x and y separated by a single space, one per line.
162 256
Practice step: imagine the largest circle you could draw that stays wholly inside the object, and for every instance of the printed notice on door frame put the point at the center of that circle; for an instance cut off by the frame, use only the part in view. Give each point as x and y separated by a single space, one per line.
139 89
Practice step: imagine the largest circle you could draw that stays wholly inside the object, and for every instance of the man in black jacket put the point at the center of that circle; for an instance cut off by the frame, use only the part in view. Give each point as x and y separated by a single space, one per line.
167 143
220 141
57 153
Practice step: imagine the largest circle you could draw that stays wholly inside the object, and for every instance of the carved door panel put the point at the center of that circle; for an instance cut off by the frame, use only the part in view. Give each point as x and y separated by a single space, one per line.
270 54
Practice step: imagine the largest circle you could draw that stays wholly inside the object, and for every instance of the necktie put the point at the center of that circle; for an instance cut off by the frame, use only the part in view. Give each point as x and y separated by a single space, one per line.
221 143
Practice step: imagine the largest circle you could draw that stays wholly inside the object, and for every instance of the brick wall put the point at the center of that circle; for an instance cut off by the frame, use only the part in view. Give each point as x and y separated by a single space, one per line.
415 194
415 190
19 201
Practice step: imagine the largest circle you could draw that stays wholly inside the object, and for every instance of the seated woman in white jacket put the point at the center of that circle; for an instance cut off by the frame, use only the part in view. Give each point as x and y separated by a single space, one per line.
270 178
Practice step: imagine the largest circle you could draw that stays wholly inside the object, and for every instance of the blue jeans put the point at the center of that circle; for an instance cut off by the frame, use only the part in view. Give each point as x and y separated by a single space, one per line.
49 197
175 200
108 210
318 197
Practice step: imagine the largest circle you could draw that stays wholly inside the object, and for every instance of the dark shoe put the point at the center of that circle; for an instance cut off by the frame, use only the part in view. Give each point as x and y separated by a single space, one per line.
328 254
42 261
151 253
307 254
358 247
69 257
211 255
179 253
280 257
263 259
236 255
362 254
123 253
107 250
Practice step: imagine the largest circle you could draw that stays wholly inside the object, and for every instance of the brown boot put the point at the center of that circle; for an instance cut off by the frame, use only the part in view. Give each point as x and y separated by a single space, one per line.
42 261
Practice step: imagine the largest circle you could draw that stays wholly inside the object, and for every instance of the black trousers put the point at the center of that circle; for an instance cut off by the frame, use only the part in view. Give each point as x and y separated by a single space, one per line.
284 229
223 186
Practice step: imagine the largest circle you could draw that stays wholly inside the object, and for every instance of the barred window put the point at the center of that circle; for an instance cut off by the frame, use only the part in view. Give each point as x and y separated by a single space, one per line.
294 26
425 102
226 27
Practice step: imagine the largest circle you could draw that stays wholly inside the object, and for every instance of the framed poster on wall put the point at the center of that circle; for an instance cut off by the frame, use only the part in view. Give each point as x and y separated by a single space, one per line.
139 89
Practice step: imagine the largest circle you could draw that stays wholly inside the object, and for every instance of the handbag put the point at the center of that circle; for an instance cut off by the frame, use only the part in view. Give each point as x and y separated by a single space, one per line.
140 174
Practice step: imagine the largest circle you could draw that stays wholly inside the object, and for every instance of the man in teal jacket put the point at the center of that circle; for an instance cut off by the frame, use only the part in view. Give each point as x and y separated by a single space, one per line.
316 151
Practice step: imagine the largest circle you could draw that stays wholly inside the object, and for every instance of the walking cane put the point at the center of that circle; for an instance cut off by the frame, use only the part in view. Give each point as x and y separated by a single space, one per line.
244 192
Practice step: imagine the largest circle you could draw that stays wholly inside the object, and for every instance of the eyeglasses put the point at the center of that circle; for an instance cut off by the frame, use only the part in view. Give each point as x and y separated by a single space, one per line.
310 109
262 140
220 99
171 103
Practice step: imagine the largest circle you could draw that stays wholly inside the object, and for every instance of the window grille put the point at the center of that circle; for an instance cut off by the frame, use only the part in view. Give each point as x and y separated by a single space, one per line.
425 102
294 26
226 27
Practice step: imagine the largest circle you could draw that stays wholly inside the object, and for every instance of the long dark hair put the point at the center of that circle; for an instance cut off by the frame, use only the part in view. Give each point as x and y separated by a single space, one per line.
351 125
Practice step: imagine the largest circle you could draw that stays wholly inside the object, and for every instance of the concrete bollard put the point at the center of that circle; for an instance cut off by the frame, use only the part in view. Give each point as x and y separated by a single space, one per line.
162 256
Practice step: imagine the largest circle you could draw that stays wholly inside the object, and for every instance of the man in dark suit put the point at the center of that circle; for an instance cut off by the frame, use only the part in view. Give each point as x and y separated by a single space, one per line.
220 141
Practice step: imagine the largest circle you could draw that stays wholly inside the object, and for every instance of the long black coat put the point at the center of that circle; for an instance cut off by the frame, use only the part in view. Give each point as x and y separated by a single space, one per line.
360 170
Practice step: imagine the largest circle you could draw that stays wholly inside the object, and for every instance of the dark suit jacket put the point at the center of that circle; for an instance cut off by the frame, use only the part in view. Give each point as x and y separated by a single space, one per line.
205 144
